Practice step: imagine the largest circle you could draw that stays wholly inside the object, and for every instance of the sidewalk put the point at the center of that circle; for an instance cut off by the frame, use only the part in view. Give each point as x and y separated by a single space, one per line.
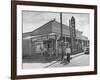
36 65
72 56
76 55
77 60
38 62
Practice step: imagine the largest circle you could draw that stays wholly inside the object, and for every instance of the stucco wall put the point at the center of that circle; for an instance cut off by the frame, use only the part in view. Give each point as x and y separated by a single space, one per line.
26 49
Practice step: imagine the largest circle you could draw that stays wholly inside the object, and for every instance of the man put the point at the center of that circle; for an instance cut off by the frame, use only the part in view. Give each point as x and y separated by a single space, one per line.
68 53
46 55
41 48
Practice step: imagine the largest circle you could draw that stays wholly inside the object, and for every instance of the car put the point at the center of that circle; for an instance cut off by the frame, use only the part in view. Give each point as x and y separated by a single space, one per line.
87 51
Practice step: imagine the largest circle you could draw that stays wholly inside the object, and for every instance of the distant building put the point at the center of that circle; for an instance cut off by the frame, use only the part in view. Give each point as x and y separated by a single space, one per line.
48 36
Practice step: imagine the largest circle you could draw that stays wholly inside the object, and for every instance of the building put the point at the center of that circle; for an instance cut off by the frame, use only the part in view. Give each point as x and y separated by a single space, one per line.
49 36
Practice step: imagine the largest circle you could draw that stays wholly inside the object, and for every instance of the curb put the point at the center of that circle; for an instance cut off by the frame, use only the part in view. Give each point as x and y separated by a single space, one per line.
72 56
79 54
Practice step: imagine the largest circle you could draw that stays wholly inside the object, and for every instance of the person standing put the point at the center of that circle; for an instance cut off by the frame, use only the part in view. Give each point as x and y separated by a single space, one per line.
68 53
41 48
46 55
65 55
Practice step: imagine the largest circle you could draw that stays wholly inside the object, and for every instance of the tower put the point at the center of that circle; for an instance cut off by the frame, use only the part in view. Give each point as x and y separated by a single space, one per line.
73 27
72 34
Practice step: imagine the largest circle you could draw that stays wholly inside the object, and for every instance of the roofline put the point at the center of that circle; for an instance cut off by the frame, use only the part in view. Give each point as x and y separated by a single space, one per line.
30 33
43 25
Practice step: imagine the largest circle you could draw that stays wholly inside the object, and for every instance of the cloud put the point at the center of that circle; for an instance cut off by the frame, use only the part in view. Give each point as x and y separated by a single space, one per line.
33 20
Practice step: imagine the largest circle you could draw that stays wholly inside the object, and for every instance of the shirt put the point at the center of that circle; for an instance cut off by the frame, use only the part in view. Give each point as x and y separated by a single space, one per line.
68 50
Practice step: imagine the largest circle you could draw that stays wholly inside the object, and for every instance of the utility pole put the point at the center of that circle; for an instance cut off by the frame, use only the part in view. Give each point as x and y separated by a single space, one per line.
70 34
61 23
62 54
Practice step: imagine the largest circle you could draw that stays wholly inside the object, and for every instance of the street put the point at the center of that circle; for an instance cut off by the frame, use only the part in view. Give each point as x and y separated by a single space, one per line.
81 60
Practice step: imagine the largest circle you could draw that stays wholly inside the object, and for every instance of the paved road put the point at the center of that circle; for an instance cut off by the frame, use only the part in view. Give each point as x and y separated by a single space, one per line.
82 60
35 65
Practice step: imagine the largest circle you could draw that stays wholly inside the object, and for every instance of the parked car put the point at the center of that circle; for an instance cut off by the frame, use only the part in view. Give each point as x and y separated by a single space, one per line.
86 51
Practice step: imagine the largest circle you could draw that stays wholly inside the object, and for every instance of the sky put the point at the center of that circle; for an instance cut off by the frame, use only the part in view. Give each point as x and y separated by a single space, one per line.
32 20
